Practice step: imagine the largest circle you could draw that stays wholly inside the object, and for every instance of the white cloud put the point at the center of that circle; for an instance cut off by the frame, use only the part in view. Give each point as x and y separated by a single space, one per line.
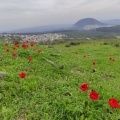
24 13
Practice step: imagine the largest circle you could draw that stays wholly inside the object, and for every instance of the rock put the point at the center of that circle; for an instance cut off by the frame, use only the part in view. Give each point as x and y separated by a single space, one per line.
61 67
93 70
2 75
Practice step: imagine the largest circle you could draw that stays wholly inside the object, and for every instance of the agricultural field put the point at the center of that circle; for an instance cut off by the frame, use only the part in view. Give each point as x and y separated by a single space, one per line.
60 81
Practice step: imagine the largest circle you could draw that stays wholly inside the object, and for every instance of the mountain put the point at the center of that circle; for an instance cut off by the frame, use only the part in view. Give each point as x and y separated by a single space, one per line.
44 28
87 21
112 22
83 24
87 24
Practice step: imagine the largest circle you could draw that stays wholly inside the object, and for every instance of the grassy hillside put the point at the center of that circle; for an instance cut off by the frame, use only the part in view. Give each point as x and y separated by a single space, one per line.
113 29
50 89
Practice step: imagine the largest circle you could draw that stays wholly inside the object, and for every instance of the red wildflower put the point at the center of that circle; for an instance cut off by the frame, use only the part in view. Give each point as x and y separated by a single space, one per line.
6 44
113 103
17 45
29 59
7 50
22 74
94 63
13 48
110 58
32 44
113 60
94 95
25 45
84 56
76 52
13 54
39 51
84 87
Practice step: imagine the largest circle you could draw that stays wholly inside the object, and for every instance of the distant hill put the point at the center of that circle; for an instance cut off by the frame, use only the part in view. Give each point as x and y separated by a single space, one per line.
87 24
81 25
113 29
45 28
112 22
88 21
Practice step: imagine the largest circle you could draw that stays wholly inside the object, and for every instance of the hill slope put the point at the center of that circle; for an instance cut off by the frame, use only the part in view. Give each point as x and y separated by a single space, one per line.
112 22
40 28
114 29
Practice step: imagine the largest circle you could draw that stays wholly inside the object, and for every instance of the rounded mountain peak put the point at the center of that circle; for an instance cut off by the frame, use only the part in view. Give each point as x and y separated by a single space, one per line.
87 21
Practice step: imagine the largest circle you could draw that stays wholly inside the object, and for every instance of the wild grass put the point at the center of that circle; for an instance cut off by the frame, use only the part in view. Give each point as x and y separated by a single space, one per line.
53 93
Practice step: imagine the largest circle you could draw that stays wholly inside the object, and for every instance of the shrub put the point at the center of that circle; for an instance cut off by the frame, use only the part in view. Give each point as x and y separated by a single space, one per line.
117 44
105 43
67 45
74 43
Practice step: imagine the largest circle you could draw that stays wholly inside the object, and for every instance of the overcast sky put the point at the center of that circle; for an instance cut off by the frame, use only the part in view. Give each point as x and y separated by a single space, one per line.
15 14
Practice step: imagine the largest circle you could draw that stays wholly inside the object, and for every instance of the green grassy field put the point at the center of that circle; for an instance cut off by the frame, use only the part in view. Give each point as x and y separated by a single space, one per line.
52 92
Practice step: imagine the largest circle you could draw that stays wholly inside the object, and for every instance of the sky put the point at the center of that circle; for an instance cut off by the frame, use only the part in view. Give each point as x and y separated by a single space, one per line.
16 14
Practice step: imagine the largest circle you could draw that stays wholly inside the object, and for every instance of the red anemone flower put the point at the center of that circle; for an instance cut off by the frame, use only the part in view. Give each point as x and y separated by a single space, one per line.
39 51
29 59
94 63
113 102
22 74
84 56
84 87
6 44
112 59
32 44
13 48
94 95
13 54
76 52
17 45
25 45
7 50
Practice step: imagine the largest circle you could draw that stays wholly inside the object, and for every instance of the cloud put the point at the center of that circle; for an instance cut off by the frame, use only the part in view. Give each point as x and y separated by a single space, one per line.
24 13
53 5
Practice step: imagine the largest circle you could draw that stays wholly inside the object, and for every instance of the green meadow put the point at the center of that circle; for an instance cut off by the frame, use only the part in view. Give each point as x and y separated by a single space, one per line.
51 88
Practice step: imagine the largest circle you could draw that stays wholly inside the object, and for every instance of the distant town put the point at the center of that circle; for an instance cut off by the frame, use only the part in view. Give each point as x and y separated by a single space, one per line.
32 38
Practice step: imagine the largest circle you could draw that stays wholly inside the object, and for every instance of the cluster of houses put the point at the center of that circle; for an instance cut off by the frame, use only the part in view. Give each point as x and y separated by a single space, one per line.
33 38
